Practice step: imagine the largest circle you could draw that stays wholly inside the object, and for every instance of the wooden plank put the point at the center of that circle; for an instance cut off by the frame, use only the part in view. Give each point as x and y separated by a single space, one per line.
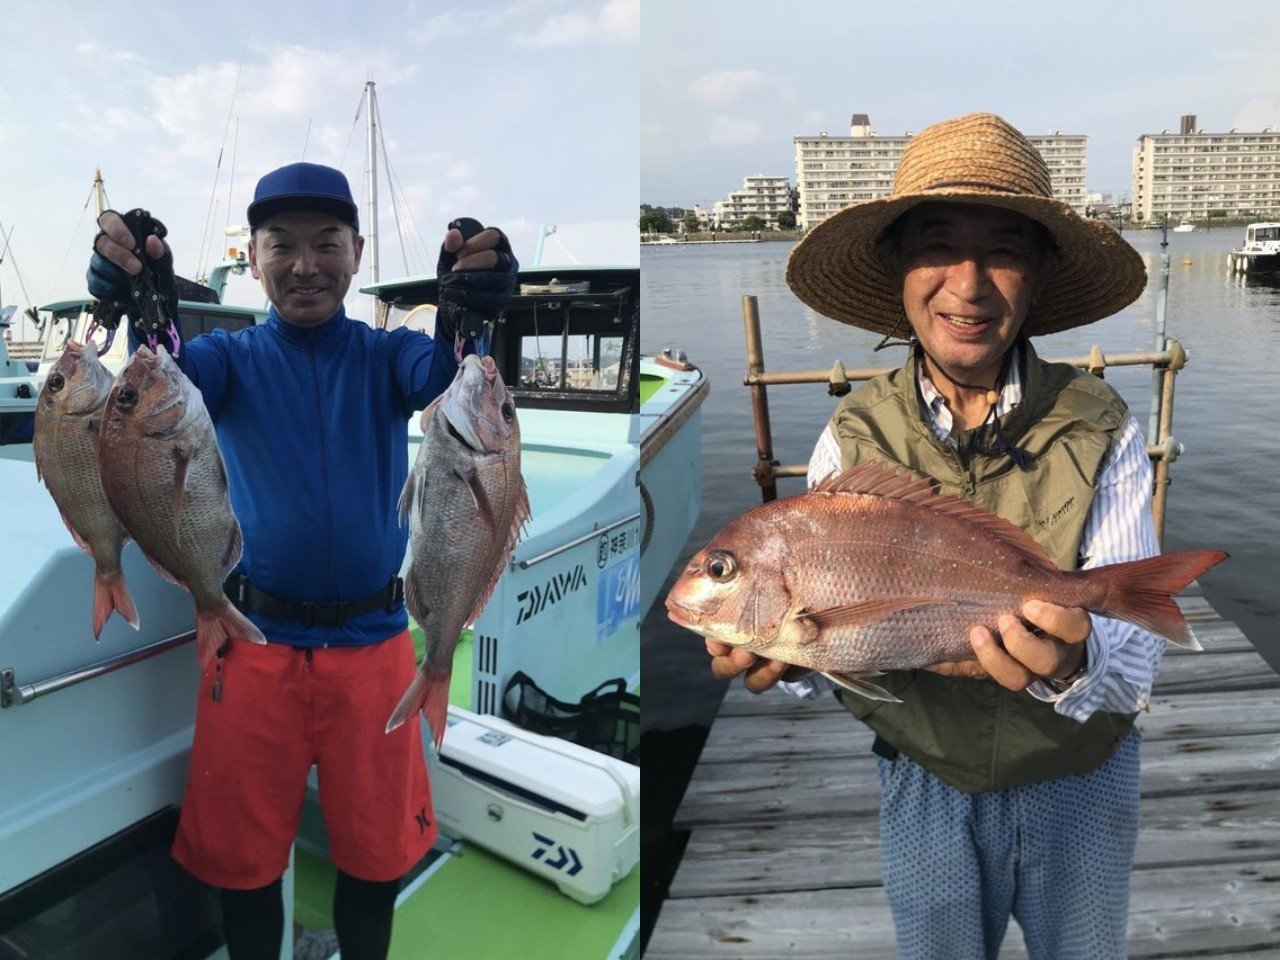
845 780
1196 911
1195 715
843 850
1219 671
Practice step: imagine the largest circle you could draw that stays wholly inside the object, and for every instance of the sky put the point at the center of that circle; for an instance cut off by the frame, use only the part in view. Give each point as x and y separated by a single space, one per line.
517 113
726 86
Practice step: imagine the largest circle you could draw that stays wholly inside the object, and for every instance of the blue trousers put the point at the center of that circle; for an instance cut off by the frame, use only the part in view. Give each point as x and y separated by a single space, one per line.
1055 855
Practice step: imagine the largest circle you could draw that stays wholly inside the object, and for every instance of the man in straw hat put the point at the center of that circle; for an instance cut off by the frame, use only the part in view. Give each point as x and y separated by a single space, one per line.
1018 796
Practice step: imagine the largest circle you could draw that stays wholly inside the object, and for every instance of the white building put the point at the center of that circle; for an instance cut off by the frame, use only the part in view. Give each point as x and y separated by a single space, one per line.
1196 175
760 196
833 172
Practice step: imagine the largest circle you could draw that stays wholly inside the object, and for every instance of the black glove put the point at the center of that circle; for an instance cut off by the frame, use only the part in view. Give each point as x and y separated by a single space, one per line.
150 299
470 299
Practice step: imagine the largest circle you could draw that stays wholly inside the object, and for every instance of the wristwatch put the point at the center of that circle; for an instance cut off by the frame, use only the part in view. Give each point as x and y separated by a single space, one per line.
1066 683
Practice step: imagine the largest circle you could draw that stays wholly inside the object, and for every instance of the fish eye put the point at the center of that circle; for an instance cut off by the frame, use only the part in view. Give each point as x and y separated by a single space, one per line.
127 397
56 382
508 411
721 566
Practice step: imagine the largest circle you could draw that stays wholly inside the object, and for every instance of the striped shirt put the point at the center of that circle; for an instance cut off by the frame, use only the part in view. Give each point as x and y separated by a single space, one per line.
1122 659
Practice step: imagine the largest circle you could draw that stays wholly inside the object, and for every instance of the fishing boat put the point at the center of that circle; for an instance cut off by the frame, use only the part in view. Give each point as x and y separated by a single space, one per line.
1259 255
97 738
1184 226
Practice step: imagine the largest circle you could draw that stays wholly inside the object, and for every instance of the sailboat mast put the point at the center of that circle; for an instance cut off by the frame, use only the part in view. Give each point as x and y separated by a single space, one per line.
99 192
371 165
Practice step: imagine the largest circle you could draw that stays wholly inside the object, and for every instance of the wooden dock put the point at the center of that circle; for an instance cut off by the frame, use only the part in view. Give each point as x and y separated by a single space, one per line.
783 857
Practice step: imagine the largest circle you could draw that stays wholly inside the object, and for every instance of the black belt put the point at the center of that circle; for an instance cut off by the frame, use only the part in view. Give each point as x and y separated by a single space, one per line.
249 599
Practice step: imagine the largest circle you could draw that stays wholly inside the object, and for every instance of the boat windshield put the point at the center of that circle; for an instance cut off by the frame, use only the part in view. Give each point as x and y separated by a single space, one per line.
1266 233
572 362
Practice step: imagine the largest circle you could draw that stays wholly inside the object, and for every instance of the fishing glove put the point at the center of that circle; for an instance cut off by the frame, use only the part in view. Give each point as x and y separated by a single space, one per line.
149 300
470 300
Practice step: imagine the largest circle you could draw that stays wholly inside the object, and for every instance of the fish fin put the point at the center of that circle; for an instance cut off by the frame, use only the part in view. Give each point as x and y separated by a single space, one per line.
406 497
1141 591
471 477
181 460
518 519
80 541
877 479
155 565
235 547
865 611
110 592
216 626
429 692
855 683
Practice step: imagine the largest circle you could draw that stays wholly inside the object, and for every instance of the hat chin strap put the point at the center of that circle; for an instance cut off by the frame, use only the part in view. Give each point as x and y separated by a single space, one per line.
999 445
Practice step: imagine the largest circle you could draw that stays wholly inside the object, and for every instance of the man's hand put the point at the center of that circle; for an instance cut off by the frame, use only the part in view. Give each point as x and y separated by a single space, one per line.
477 275
1020 656
115 244
761 674
126 286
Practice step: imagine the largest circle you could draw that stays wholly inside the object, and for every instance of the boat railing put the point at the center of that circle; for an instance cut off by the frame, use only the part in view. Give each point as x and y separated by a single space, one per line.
1163 450
14 693
589 535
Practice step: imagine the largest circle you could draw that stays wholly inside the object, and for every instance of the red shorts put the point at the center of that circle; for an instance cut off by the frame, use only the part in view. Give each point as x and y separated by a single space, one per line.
282 711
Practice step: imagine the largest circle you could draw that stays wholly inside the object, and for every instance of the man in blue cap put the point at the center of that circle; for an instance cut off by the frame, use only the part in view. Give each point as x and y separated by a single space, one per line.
311 409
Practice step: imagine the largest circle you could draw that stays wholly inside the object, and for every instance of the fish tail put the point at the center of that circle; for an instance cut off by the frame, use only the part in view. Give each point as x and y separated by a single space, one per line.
217 625
110 592
1141 591
429 692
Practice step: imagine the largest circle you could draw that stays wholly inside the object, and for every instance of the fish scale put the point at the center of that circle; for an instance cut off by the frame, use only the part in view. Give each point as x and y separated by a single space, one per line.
873 570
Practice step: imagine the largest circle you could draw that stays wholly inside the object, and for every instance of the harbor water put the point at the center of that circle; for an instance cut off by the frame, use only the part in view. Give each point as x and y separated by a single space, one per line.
1224 491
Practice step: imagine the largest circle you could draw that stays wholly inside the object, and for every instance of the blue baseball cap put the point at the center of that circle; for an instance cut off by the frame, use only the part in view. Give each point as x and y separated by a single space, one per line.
303 186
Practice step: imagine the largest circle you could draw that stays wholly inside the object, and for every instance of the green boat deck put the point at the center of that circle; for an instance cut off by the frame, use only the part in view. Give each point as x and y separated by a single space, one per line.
445 916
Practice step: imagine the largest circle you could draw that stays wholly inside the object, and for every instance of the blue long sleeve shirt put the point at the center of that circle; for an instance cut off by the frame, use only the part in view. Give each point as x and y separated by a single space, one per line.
313 426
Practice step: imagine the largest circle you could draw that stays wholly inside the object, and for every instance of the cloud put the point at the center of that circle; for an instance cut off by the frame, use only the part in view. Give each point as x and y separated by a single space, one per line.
733 131
1257 114
616 21
92 48
725 85
454 23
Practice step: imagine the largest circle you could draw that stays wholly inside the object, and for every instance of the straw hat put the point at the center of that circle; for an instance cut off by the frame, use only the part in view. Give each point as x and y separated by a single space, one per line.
977 158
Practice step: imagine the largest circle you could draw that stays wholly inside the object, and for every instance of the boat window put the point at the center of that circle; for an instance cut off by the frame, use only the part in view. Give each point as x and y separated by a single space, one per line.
1267 233
193 322
570 362
572 345
56 331
421 317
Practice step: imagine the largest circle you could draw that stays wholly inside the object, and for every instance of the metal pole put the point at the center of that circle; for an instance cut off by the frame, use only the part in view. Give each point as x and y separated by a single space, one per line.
371 164
759 402
99 192
1164 429
1162 311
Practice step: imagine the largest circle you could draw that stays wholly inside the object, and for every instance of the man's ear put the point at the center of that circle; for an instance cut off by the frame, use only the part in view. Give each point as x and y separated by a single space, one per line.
253 260
359 249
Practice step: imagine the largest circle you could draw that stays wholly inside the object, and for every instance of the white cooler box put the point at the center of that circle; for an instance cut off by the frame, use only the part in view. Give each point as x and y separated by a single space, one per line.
564 812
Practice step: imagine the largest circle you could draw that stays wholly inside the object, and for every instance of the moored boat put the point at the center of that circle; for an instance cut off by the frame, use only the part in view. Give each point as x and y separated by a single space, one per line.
1259 254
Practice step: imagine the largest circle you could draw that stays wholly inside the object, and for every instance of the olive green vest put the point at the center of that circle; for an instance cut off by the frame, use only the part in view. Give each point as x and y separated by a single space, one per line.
975 734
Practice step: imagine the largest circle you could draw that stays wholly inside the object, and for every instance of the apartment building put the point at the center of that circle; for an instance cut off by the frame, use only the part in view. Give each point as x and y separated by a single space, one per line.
761 196
1195 175
833 172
